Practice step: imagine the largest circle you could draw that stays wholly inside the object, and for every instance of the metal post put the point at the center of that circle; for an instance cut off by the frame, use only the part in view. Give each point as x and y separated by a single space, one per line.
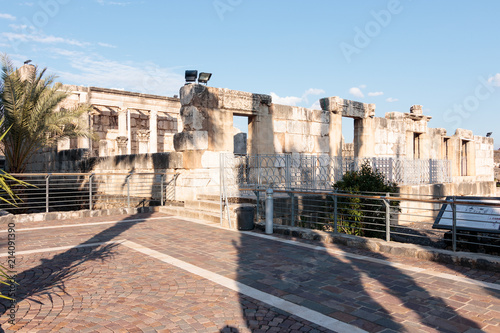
258 170
391 166
128 189
47 193
292 197
269 211
454 225
335 211
313 172
288 176
162 181
387 220
221 181
90 191
257 194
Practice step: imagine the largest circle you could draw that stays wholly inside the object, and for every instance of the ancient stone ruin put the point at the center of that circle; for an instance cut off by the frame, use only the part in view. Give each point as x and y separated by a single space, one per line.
191 131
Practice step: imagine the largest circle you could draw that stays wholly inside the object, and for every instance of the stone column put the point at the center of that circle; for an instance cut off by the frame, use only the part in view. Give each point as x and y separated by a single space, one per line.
103 148
121 142
334 106
143 139
122 122
364 137
153 128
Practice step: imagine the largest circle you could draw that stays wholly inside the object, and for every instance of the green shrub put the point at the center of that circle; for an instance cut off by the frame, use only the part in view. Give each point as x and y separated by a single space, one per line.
360 216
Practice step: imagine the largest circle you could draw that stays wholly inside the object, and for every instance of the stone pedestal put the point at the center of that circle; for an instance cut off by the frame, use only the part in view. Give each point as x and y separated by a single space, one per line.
121 143
103 148
143 139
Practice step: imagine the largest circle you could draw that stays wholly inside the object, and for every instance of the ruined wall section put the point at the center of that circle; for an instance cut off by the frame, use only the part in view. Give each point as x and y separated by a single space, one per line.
390 135
484 158
108 118
300 130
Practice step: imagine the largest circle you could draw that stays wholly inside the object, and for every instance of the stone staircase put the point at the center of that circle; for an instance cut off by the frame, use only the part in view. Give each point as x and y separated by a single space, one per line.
207 208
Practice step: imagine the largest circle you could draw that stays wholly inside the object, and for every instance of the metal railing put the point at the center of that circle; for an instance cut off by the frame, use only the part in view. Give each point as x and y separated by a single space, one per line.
50 192
454 223
287 171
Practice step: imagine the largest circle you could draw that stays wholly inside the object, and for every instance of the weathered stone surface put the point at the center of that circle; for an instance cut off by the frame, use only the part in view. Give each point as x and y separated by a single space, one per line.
347 108
193 119
243 101
463 133
193 140
416 109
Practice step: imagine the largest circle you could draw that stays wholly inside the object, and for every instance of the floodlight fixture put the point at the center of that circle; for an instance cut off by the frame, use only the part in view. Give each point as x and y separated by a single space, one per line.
204 77
191 76
489 134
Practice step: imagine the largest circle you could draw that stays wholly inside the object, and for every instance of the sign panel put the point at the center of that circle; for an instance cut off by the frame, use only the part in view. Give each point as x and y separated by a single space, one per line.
471 217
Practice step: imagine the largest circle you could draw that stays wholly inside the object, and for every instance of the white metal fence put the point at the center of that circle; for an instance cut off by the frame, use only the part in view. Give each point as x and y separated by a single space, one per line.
75 191
302 171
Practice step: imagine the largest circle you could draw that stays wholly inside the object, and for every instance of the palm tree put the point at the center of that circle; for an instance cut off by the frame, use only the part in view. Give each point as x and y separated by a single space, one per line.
29 104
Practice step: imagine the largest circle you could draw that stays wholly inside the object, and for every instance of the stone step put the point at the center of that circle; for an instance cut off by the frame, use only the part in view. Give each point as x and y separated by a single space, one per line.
216 197
210 217
205 205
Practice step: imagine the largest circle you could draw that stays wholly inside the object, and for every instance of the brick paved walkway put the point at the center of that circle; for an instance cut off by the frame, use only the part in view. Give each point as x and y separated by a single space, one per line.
155 273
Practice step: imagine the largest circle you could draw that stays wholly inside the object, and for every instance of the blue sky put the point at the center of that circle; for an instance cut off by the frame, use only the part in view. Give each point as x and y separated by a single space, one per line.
443 55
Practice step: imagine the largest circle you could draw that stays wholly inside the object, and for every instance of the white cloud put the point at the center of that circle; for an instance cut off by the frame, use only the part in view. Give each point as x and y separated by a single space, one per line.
288 100
95 70
495 80
315 106
376 93
363 86
390 100
18 27
7 17
356 92
107 45
40 38
294 100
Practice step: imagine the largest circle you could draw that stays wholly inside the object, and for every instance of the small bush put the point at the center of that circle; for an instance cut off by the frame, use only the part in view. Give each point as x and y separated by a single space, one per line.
358 216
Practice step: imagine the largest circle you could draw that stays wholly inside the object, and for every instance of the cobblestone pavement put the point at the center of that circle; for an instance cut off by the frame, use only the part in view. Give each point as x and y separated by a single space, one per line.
158 273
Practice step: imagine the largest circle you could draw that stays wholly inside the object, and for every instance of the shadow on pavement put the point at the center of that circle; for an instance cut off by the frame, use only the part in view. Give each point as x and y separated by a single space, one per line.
53 273
370 296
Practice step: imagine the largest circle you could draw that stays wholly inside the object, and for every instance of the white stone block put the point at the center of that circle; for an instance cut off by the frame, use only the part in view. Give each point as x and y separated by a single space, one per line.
210 159
315 128
294 143
295 127
279 126
200 140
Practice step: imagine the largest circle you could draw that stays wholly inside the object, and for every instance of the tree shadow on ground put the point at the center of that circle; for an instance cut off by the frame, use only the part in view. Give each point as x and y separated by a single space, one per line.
52 274
368 295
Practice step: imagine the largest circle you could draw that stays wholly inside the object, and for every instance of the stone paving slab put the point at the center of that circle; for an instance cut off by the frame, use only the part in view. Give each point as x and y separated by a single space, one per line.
113 288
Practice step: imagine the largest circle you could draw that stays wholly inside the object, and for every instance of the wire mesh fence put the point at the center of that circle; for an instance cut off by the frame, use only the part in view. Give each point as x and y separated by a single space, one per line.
454 223
77 191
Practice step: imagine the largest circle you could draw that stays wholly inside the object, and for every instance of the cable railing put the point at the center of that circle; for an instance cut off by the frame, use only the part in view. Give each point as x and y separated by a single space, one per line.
49 192
454 223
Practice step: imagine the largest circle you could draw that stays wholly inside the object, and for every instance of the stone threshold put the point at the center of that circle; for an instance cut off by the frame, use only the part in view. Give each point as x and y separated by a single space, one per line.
465 259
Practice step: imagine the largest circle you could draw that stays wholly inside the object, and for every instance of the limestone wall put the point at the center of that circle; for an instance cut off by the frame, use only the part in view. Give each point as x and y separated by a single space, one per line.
300 130
390 136
484 159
